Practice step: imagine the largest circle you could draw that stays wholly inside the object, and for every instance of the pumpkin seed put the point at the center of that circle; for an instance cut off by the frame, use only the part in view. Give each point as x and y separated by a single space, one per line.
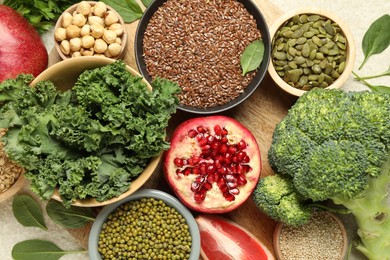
313 18
309 51
306 87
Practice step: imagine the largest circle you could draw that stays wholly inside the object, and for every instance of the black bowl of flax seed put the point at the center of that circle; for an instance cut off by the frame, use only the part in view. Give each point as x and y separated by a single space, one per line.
198 45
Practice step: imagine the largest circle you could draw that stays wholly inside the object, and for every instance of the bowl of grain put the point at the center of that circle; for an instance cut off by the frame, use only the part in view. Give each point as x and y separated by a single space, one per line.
90 28
324 236
11 175
199 47
310 48
154 225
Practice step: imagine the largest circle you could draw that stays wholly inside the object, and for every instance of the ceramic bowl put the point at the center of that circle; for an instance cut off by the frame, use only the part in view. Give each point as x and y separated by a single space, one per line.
310 236
122 39
350 48
261 71
64 74
145 193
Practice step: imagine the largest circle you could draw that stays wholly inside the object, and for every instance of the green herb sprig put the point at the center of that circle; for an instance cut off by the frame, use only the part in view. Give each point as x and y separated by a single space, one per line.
128 9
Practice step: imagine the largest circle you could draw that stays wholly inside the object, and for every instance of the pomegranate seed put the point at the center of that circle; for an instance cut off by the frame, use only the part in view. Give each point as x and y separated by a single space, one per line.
217 164
241 155
241 180
203 168
195 186
217 129
195 160
201 129
195 171
205 147
207 186
234 191
215 145
234 159
240 168
231 185
178 162
223 149
216 177
241 145
230 178
210 139
229 197
224 189
210 178
232 150
246 159
192 133
224 132
187 171
200 179
221 183
211 168
227 158
222 170
224 140
199 197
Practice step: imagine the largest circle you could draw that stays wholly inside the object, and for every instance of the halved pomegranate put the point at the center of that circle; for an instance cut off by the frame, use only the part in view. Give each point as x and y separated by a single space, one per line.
213 163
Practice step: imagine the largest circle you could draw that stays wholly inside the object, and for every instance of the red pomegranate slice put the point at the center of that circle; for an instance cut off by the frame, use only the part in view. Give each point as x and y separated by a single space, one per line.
213 164
223 239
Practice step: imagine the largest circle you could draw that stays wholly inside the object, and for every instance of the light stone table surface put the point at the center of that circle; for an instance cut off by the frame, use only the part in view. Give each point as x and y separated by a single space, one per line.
357 14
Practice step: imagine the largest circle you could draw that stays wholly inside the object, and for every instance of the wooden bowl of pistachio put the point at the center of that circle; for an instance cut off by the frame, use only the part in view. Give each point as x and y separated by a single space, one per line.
310 48
90 28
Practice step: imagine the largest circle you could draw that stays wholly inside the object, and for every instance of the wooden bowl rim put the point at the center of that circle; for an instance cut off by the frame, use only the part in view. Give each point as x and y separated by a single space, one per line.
71 9
16 186
351 48
152 165
279 226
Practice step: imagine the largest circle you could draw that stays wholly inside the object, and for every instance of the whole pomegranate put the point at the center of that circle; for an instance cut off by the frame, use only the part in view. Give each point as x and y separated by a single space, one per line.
213 163
21 48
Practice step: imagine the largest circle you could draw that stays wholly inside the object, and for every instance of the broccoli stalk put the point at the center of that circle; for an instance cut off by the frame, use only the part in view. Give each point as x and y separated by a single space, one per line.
372 215
335 146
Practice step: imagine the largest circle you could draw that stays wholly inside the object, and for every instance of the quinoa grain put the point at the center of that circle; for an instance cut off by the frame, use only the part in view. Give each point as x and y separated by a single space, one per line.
321 239
198 45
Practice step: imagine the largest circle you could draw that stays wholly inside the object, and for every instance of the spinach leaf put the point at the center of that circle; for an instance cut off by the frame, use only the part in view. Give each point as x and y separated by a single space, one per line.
129 9
36 249
27 212
73 217
252 56
377 38
147 2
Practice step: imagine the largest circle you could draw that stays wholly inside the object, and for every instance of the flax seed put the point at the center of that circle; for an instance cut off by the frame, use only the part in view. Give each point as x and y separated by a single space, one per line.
201 43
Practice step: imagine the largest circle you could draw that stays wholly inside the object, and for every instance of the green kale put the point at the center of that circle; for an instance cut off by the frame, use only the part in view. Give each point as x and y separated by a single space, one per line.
90 141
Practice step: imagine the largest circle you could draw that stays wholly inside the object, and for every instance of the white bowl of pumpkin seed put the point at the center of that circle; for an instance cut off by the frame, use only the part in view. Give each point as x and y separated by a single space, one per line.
310 48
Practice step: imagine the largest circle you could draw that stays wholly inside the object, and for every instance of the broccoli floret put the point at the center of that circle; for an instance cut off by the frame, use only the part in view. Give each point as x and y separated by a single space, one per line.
334 145
277 197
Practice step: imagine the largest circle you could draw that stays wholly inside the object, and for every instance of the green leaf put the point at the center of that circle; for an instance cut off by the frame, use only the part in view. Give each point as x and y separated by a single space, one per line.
129 9
73 217
147 2
27 212
252 56
377 38
36 249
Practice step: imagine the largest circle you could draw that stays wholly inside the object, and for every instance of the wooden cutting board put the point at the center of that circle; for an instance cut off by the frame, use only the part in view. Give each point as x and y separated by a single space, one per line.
260 113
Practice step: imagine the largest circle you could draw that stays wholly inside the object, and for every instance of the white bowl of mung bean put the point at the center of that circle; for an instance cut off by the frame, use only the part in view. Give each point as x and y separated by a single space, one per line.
149 224
310 48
